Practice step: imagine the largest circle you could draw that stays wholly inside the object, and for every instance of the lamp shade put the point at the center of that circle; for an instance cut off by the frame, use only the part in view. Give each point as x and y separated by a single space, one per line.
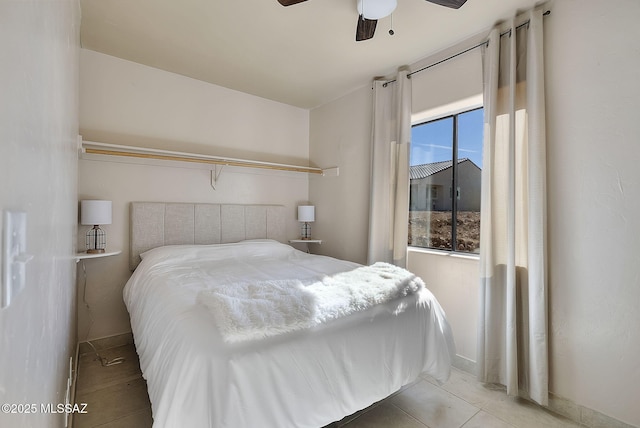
376 9
93 212
306 213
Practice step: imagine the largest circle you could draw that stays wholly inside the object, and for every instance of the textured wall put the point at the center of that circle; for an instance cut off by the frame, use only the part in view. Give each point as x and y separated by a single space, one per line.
593 98
127 103
593 95
38 168
339 135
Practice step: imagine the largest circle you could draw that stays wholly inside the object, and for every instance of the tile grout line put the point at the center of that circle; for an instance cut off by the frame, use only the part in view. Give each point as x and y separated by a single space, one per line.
481 408
410 415
472 416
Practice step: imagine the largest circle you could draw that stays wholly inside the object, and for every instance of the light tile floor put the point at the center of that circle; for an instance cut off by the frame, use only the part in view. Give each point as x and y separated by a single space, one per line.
116 397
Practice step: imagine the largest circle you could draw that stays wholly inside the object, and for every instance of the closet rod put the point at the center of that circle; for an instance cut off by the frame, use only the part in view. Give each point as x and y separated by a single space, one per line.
90 147
484 43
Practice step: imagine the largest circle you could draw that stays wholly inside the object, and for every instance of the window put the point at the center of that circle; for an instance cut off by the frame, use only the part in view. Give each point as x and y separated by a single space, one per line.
446 154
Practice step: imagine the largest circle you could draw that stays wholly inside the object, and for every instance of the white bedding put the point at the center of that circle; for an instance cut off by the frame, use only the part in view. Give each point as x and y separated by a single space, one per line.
254 310
305 378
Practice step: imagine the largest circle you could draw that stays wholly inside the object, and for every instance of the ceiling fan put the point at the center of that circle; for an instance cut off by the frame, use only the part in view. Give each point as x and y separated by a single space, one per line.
369 11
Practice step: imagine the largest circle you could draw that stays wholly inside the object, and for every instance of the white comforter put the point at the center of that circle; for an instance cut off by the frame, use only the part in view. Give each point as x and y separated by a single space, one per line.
253 310
304 378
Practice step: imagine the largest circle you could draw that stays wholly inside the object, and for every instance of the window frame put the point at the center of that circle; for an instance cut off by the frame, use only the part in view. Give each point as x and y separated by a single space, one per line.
423 119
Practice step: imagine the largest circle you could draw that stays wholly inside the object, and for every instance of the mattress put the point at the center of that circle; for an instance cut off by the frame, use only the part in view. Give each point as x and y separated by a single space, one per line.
305 378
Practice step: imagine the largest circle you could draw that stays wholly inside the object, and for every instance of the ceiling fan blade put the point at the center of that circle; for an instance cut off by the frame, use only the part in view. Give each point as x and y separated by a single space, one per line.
290 2
454 4
366 28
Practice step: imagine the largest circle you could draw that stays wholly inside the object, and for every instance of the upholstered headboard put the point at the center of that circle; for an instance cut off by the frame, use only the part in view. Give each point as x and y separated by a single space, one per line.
154 224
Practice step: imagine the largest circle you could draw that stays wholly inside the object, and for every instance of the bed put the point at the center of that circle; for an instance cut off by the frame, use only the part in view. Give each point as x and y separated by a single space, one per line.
215 357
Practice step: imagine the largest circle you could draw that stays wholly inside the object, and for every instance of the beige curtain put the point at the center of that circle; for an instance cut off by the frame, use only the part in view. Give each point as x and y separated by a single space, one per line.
391 137
512 335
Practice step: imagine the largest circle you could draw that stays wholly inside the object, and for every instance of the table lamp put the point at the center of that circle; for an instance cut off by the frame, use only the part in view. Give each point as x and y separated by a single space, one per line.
95 213
306 215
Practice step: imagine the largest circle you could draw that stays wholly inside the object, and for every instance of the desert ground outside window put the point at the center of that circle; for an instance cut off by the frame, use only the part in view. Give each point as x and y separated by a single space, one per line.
445 182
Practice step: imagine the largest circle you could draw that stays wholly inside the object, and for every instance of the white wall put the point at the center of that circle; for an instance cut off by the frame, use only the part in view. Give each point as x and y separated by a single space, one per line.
127 103
38 129
339 134
593 99
452 278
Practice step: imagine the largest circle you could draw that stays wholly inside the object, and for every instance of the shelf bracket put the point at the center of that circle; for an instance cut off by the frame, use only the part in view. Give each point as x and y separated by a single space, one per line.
215 174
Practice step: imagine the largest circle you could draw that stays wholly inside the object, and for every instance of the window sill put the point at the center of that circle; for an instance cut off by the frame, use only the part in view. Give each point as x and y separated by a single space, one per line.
454 254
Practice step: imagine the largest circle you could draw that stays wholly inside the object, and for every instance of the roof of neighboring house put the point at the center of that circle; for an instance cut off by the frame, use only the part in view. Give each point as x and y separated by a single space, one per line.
428 169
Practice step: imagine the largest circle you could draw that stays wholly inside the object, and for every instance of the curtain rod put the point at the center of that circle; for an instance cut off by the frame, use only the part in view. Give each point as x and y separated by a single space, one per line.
484 43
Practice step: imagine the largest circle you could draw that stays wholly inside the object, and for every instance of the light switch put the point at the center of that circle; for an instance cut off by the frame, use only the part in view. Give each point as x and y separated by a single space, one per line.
14 256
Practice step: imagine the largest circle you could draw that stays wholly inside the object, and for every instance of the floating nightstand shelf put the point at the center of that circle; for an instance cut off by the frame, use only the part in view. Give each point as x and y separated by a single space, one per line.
84 255
305 241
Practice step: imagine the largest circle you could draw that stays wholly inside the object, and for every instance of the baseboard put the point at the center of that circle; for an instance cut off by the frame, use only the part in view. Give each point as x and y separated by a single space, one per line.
583 415
99 344
106 342
557 404
74 382
464 364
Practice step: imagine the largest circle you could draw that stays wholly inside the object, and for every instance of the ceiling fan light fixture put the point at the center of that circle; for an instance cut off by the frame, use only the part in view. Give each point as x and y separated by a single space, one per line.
376 9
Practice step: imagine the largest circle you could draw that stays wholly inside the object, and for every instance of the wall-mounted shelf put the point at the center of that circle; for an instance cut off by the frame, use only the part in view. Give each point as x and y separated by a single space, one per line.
84 255
103 149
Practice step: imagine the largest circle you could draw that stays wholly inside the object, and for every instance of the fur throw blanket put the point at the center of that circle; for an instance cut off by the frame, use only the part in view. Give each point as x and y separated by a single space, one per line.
249 311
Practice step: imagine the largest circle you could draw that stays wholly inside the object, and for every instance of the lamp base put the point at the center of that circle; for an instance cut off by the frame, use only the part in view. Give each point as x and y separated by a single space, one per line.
96 240
306 231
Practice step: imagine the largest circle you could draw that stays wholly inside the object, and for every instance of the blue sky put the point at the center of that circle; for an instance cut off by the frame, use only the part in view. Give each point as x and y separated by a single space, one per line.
432 142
